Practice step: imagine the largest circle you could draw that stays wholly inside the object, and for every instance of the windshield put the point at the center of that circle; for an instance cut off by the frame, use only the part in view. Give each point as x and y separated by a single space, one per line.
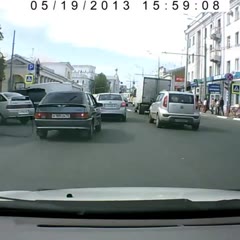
181 98
10 95
110 97
118 94
63 97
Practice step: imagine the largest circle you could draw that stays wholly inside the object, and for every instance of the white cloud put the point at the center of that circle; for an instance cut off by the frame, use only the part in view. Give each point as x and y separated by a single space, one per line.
130 33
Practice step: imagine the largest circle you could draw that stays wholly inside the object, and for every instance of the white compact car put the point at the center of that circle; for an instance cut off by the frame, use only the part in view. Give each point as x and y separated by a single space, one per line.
172 107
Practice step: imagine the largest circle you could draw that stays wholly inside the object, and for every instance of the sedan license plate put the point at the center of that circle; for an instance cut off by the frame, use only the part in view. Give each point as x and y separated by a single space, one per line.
22 112
110 105
181 120
60 115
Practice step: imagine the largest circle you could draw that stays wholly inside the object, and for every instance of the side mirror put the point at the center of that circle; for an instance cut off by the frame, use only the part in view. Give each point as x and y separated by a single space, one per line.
99 104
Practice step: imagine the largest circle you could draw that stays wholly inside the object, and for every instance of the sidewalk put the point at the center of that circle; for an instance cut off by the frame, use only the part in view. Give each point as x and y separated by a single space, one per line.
208 114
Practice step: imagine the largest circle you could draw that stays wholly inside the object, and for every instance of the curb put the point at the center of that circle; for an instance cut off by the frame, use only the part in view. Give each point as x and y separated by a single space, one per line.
221 117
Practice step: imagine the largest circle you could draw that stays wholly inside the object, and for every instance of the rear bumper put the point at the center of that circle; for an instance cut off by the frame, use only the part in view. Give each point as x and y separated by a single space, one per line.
180 119
63 124
121 111
17 113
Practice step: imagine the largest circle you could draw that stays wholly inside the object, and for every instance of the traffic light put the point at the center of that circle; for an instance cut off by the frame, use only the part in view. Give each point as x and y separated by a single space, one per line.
38 67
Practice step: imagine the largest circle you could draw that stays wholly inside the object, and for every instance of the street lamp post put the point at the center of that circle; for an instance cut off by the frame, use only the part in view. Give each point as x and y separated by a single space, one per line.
186 68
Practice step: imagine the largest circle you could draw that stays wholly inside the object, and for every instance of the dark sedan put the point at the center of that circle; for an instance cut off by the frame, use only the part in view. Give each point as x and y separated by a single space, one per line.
68 111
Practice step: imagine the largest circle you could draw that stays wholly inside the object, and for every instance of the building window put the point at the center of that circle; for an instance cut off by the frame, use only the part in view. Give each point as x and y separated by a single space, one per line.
211 27
189 59
210 71
228 19
192 58
210 47
228 66
205 32
228 42
237 38
219 23
236 13
192 75
237 64
188 77
193 41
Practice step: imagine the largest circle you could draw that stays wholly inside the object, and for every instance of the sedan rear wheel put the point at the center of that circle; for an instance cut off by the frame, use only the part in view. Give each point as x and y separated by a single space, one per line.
42 133
90 132
99 127
24 120
2 120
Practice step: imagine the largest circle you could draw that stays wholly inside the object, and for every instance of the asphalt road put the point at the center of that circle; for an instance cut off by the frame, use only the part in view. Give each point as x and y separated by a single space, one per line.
133 153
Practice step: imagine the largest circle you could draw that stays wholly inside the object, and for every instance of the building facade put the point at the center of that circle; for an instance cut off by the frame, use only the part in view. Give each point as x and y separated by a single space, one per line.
85 76
20 71
213 51
177 77
114 83
64 69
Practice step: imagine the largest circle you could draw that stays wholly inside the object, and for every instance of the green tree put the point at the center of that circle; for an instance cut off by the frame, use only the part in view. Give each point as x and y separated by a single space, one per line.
101 84
2 63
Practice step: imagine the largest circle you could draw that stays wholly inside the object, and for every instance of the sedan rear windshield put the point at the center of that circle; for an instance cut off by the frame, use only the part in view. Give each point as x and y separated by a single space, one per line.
110 97
64 97
181 98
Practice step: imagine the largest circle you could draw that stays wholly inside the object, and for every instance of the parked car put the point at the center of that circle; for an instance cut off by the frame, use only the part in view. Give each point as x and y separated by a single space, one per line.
67 111
15 106
113 105
172 107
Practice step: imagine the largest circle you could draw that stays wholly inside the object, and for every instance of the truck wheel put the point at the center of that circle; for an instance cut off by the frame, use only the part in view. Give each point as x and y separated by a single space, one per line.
141 110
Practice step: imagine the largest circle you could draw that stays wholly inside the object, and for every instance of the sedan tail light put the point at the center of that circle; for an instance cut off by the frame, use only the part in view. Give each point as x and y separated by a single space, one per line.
41 115
165 101
123 104
83 115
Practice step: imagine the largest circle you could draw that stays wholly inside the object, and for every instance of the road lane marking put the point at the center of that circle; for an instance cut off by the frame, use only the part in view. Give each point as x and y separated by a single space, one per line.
129 110
222 117
236 119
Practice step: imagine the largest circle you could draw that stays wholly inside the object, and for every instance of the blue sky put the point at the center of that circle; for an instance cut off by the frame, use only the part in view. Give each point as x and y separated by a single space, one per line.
95 42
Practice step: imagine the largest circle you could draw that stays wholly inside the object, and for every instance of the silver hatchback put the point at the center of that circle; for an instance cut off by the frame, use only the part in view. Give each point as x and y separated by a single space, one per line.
172 107
113 105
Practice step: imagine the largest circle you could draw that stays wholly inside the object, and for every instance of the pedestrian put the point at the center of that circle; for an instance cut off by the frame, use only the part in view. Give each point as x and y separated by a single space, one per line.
204 105
213 102
221 105
217 107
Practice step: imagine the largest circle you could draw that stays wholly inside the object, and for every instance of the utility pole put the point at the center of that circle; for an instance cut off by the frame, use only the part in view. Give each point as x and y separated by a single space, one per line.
158 74
11 66
205 67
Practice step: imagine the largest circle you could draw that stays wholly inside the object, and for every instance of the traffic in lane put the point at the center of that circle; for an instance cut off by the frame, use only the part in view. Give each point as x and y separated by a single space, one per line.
132 153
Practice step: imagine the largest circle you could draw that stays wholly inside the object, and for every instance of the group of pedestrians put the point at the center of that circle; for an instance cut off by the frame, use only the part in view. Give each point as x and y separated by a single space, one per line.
215 106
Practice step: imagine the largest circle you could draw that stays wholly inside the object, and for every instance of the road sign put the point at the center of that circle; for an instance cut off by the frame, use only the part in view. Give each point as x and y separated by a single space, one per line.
214 88
30 67
236 89
29 79
229 76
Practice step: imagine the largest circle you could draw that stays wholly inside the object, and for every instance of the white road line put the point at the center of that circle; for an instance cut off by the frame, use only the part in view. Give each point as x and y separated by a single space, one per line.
129 110
236 119
222 117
